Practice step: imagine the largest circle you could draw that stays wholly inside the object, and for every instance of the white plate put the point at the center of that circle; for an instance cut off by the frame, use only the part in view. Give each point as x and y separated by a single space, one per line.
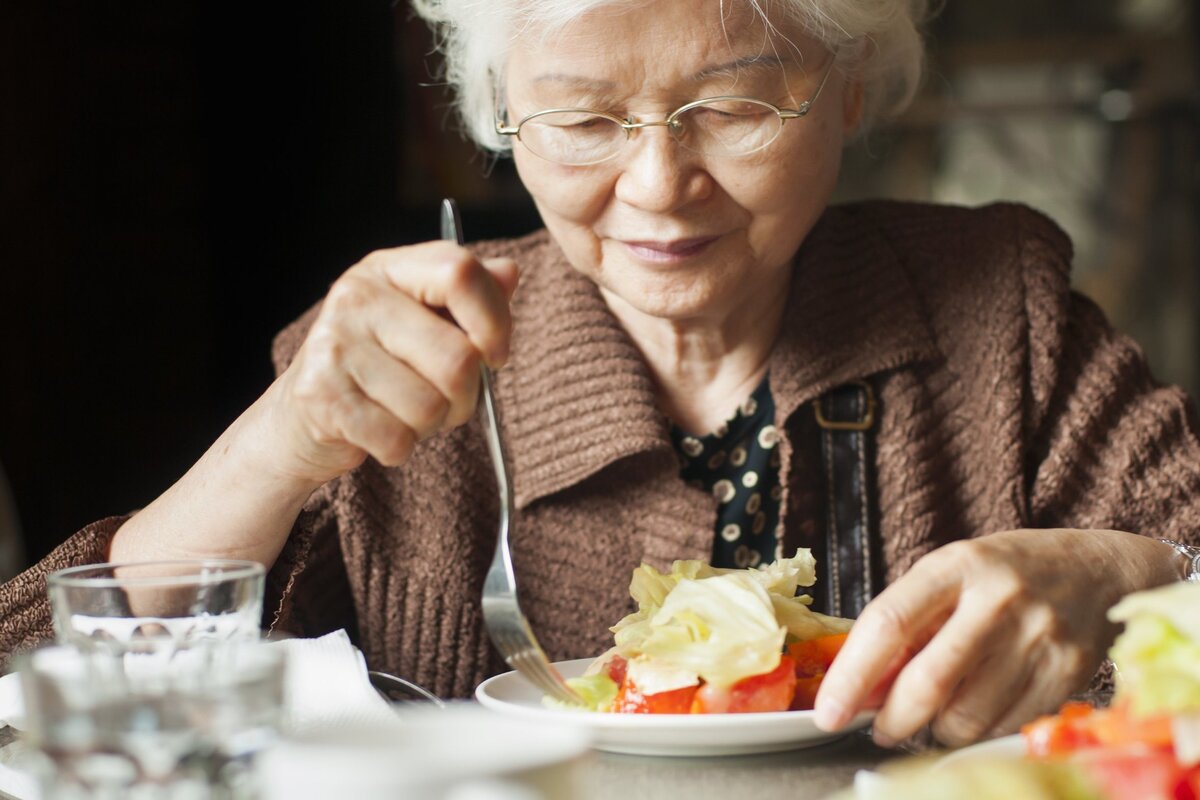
1004 747
663 734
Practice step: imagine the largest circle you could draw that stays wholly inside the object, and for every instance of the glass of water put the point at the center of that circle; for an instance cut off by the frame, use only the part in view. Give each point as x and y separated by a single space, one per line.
157 606
112 726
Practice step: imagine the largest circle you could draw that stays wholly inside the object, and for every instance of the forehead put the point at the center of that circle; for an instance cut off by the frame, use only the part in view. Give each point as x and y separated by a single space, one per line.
628 47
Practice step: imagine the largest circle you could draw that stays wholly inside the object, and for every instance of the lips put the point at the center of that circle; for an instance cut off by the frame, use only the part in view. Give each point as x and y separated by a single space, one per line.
673 250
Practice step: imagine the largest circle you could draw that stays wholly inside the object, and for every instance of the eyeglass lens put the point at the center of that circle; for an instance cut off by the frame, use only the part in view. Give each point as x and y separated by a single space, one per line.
731 127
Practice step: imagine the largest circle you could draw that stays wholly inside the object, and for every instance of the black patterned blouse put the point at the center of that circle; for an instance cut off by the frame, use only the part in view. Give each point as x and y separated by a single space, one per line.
739 464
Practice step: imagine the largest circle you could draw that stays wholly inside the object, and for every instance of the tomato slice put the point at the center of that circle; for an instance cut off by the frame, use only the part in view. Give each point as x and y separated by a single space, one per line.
771 691
630 700
806 693
1189 785
1135 772
616 668
814 657
1078 726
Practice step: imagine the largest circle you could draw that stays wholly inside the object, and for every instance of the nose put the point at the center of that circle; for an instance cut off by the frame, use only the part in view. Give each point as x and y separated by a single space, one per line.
659 175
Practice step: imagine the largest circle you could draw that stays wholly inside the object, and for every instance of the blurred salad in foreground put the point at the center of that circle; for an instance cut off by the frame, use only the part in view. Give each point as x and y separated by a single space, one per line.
706 640
1145 746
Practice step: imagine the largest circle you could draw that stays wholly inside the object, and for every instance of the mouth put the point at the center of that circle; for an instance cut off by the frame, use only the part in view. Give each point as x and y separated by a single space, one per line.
669 251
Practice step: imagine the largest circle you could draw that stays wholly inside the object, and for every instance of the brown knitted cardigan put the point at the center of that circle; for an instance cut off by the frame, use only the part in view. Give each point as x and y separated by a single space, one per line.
1006 401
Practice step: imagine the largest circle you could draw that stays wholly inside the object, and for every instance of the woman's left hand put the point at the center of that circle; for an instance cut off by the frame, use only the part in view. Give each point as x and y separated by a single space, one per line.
984 634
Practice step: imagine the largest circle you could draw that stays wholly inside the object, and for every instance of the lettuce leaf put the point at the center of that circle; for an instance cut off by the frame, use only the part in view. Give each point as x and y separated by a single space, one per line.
1158 654
597 691
720 625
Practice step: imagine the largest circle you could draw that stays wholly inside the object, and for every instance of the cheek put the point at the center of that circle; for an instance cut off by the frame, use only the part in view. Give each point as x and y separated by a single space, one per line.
785 200
561 193
798 172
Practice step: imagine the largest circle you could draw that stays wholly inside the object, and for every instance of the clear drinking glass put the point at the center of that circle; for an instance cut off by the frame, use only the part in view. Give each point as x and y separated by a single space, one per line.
157 606
113 726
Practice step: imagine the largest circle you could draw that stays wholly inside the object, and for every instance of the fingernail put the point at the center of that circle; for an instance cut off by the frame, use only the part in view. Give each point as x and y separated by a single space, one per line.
883 740
830 715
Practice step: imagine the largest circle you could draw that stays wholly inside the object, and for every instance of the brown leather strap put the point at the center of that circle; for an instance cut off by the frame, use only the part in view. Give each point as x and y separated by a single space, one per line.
846 417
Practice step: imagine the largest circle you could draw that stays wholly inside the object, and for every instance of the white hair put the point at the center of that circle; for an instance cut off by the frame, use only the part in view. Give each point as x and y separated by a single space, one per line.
878 42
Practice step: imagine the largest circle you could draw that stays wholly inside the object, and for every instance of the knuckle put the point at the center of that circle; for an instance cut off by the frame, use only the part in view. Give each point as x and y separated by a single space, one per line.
962 553
930 690
343 410
348 295
959 725
459 364
394 446
1042 623
429 410
324 349
460 272
888 619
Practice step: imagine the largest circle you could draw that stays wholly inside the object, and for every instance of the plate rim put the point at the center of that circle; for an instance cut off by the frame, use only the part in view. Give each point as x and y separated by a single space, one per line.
775 730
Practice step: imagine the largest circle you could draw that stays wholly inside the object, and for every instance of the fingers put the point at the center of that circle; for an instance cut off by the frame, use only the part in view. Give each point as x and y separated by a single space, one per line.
983 698
339 414
443 275
364 423
404 392
394 356
1006 640
504 270
900 620
435 350
1043 672
957 655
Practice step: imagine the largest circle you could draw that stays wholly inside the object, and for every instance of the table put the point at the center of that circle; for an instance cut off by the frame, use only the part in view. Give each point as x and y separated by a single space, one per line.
814 772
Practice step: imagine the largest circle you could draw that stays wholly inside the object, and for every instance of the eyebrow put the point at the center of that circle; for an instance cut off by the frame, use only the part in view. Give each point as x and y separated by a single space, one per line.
757 63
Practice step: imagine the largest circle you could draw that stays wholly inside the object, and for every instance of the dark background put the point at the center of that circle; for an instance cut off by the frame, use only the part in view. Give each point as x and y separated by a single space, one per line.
177 182
180 179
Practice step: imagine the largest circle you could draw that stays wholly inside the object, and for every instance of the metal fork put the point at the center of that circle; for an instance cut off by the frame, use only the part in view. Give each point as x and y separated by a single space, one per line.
506 625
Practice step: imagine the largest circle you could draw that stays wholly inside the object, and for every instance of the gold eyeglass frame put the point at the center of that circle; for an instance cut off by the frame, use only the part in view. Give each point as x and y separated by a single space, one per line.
671 121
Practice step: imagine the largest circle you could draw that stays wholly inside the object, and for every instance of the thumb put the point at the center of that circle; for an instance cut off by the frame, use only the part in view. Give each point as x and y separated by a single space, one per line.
504 270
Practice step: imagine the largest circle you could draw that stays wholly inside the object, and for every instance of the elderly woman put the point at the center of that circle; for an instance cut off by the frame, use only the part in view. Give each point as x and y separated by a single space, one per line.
1009 465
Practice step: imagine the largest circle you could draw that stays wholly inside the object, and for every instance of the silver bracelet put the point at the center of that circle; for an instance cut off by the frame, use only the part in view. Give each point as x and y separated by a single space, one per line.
1191 559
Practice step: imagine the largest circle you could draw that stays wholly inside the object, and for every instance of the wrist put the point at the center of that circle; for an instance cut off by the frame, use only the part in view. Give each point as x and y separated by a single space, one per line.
257 444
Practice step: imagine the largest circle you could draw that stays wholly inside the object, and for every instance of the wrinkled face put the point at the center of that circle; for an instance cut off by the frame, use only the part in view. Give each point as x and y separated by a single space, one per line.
665 231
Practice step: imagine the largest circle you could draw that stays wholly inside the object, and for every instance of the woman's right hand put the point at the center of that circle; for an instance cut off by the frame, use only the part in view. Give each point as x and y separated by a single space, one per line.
392 358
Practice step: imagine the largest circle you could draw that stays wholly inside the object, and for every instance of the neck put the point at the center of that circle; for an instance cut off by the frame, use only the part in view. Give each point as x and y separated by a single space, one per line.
703 369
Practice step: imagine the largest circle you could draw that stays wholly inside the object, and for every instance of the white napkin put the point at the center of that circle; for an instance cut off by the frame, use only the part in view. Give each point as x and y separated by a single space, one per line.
327 688
12 702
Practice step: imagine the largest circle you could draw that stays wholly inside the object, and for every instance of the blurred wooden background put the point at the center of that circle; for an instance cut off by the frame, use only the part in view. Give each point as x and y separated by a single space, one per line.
178 180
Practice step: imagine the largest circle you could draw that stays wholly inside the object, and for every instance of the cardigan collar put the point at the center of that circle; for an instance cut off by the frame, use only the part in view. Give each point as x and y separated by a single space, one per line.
577 397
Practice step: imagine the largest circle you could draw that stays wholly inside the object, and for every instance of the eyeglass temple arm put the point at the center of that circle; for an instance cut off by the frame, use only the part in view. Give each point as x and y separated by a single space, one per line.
807 105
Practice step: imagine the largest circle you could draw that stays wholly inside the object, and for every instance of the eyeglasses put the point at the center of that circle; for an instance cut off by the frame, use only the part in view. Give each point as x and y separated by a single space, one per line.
726 126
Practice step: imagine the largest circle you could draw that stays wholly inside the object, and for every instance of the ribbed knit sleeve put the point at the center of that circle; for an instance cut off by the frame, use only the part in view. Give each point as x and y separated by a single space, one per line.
1110 447
1116 449
25 620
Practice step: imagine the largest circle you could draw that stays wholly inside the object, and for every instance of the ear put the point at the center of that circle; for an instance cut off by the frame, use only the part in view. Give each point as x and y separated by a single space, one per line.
852 106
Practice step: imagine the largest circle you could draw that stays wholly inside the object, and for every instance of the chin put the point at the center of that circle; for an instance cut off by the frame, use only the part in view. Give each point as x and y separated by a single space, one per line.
677 301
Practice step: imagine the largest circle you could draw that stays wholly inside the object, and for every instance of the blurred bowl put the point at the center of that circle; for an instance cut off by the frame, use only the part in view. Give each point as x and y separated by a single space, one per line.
460 752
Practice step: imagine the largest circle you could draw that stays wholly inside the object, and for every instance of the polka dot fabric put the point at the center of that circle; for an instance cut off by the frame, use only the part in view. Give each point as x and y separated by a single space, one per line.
739 464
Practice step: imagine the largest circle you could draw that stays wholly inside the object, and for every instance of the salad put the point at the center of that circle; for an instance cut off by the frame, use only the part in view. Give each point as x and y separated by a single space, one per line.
1147 744
710 641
